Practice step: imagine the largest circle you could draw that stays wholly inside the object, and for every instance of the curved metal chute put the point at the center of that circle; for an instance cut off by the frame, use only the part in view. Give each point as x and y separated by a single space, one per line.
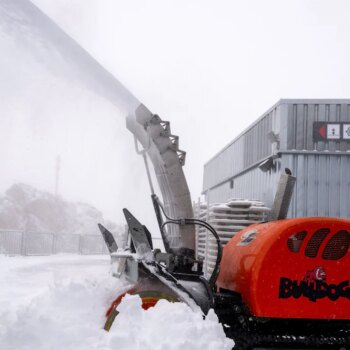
163 150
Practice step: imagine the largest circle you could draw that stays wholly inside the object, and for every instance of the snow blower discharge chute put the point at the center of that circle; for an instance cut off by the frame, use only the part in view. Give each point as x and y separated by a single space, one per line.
281 284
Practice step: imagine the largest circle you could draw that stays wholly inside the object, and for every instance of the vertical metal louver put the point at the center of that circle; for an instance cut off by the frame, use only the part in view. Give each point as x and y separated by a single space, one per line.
295 241
337 246
315 242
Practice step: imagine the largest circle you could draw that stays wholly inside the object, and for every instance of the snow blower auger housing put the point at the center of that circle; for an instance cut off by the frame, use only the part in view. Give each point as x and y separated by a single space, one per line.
154 275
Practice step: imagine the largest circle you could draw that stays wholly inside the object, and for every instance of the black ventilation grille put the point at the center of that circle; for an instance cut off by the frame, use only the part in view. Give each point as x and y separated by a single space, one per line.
315 242
337 246
294 242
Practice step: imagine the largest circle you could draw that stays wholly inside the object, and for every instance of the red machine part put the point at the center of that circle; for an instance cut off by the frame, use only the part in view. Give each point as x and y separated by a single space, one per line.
294 268
149 299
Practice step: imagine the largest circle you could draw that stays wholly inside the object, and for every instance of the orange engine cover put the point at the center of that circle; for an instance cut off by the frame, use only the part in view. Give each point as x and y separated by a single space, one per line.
294 268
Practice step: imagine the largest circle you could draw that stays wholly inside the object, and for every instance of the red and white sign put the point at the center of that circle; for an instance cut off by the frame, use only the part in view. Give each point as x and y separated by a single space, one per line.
331 131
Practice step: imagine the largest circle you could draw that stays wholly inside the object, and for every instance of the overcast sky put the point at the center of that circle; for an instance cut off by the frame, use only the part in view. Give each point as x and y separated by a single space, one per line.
209 67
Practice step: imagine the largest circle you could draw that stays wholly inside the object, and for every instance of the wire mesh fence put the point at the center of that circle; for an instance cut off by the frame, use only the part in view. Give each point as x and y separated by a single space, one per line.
19 242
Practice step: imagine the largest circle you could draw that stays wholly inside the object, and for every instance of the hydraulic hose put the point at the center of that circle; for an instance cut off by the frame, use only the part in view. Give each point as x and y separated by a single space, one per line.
215 273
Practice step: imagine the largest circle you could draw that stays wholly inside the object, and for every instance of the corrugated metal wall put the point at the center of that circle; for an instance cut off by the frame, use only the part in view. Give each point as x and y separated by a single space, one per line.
322 168
301 116
253 184
323 185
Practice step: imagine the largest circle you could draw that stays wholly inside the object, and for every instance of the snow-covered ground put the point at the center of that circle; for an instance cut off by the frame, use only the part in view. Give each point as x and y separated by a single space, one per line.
58 302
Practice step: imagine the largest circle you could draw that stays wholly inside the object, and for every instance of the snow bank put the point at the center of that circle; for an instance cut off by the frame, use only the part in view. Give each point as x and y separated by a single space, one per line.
59 303
166 326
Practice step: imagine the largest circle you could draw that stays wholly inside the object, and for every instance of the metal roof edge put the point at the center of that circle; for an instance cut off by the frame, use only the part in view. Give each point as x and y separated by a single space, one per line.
315 100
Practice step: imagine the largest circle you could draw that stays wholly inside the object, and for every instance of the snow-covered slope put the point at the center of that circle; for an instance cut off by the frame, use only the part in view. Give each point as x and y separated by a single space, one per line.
26 208
59 303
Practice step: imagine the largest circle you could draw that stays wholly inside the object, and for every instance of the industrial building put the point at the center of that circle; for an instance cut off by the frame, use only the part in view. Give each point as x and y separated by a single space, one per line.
311 137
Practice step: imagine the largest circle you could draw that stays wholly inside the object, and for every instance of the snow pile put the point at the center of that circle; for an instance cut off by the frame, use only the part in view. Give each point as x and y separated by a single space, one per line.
166 326
26 208
59 303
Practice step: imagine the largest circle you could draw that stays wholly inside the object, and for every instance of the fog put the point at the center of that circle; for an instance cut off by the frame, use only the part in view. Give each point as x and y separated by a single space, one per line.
210 68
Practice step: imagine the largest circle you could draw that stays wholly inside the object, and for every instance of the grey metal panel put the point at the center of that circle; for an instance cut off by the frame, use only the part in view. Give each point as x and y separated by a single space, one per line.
322 187
334 188
309 126
291 120
300 121
282 122
311 194
345 187
300 188
299 130
321 116
254 185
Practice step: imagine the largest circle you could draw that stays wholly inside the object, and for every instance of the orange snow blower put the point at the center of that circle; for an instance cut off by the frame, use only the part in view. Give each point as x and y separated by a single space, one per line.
282 284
